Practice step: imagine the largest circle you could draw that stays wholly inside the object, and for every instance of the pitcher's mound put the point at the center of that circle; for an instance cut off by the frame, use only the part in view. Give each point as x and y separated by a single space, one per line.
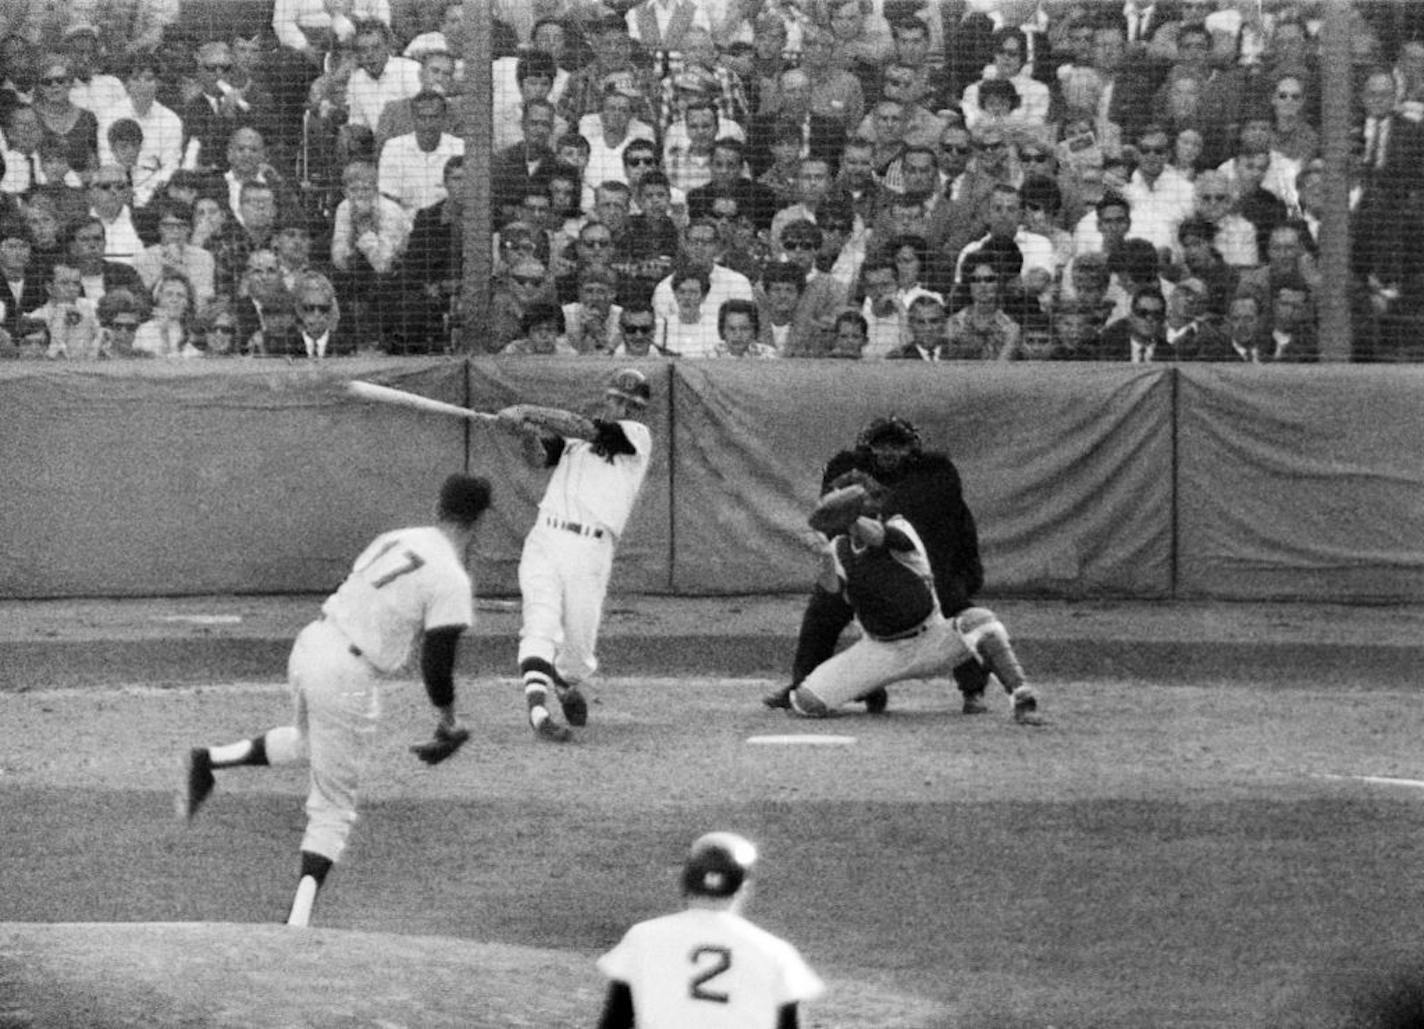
220 975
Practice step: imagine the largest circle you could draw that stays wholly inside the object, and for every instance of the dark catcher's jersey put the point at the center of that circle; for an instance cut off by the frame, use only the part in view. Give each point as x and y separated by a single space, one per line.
890 587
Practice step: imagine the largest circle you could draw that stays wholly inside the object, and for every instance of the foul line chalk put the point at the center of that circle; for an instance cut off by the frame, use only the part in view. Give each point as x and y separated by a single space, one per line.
1381 780
203 619
804 739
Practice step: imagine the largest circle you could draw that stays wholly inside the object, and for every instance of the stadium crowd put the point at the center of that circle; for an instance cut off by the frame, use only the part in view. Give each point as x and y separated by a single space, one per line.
851 179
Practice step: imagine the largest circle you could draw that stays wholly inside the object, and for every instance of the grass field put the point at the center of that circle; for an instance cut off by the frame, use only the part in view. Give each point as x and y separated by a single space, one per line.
1157 856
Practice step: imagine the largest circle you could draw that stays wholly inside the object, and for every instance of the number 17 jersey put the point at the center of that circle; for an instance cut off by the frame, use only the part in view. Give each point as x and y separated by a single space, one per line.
707 969
405 582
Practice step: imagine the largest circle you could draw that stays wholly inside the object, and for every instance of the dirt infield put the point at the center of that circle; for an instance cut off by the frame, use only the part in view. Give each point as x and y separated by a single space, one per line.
1160 855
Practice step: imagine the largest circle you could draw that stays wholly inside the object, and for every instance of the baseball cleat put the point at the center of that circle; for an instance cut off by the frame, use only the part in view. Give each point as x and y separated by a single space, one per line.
974 704
550 730
876 701
779 700
198 782
575 707
1026 707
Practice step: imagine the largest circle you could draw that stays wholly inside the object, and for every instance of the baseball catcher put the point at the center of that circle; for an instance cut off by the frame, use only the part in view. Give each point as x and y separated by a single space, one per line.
879 566
925 488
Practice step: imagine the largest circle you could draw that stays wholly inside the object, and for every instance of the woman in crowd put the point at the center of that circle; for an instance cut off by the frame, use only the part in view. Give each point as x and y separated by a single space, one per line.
693 332
1292 133
61 118
169 329
982 331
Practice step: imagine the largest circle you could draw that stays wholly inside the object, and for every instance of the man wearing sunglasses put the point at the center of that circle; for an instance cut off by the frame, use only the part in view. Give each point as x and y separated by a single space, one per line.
1161 196
1141 336
211 117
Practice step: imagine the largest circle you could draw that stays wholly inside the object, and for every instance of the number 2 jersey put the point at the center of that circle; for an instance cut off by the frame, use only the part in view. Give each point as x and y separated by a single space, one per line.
405 582
708 969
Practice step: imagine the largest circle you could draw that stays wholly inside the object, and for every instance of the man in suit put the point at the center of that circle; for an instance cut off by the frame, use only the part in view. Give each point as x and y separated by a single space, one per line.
1293 334
434 259
513 168
1139 337
84 242
820 137
23 286
211 117
1392 155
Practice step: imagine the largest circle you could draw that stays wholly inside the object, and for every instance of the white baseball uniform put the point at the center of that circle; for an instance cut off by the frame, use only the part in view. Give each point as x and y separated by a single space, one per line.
404 583
708 969
568 554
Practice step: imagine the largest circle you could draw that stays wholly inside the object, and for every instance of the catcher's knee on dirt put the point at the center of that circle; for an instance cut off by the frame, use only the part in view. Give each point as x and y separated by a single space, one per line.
988 640
807 704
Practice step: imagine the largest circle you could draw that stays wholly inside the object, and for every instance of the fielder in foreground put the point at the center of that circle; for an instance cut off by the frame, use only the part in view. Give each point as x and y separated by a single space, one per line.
880 567
408 583
707 967
599 466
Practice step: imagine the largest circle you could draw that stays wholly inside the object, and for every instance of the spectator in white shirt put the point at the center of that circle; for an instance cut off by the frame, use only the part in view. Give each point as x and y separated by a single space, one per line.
1010 50
313 27
162 150
412 167
92 89
379 77
609 131
109 202
1161 197
691 329
23 133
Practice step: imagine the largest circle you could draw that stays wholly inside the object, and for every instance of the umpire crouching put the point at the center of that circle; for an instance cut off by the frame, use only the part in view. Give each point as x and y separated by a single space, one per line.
923 486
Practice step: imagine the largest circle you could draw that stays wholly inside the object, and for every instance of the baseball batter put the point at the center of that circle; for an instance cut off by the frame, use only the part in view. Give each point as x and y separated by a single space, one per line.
880 567
599 466
707 967
408 584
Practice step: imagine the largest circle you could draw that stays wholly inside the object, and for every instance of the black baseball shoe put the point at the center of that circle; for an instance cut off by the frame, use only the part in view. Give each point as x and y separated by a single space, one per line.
574 705
198 782
779 700
1026 707
876 701
974 704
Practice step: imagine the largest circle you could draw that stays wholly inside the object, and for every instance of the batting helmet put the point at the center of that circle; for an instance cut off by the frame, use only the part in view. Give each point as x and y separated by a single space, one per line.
718 864
890 430
630 384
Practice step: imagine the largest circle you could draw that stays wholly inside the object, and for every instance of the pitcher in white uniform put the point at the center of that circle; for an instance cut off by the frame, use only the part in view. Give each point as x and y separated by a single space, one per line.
599 466
408 584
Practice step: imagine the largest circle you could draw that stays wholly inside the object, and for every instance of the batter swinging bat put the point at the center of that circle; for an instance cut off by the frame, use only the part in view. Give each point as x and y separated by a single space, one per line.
388 395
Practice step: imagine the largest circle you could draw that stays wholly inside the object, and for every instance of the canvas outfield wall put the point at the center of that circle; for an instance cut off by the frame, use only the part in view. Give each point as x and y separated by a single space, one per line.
1301 482
157 478
1067 468
250 476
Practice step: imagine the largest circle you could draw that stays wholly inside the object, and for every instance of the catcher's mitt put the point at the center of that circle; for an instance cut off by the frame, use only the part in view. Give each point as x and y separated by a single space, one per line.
446 741
838 510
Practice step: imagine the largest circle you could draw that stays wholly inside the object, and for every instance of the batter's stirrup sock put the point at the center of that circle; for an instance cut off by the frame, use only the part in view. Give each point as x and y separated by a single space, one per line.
999 655
243 752
314 869
539 677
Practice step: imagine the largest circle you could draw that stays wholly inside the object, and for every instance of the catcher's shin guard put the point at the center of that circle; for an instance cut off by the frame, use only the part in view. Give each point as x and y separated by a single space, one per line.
986 637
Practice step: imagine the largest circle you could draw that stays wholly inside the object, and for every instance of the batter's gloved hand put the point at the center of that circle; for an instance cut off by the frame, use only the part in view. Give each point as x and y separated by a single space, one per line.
447 740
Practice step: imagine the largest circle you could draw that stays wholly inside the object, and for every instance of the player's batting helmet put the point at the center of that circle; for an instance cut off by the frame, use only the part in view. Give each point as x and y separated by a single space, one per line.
718 864
630 384
890 430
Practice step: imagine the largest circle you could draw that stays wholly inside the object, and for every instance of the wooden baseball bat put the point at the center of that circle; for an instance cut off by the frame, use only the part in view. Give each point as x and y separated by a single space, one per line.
390 395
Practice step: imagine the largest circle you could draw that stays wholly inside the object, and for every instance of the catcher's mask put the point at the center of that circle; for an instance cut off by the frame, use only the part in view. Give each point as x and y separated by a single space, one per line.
890 431
718 864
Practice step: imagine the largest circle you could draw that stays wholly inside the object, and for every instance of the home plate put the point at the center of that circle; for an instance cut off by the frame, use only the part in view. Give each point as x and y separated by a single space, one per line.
805 739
